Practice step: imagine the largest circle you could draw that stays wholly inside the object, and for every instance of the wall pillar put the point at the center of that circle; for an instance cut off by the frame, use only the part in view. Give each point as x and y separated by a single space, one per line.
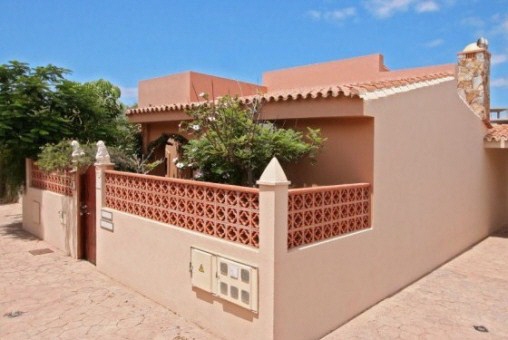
100 168
273 231
28 173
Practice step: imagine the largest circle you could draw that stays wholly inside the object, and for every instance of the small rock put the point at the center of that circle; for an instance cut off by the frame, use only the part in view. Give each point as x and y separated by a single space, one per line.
482 329
14 314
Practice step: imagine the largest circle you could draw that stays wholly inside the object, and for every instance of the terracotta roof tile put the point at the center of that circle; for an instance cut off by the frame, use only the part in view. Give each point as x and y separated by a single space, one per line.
497 133
365 90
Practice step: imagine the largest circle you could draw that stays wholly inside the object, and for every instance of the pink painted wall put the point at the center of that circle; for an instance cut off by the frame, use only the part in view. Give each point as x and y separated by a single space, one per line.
333 72
437 191
354 70
221 86
182 88
164 90
346 157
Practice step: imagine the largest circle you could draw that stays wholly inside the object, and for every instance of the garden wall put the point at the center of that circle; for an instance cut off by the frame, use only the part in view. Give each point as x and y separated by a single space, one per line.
156 221
50 208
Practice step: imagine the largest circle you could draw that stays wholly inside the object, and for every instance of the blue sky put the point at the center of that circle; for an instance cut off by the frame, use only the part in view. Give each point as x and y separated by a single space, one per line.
126 41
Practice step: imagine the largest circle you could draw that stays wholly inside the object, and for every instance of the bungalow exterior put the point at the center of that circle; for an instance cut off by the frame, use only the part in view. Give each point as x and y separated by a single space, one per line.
415 146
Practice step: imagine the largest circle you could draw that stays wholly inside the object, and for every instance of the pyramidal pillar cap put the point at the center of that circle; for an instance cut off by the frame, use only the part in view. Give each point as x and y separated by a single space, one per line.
273 174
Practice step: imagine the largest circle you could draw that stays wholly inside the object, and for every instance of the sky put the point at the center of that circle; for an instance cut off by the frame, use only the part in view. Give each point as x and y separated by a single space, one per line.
125 41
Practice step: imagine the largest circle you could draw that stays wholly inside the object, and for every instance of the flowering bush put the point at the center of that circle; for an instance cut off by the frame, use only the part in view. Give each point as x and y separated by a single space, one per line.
233 145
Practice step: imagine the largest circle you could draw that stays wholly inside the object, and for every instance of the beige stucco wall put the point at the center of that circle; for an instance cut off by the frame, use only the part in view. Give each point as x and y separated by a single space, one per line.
53 218
436 193
346 157
153 258
437 190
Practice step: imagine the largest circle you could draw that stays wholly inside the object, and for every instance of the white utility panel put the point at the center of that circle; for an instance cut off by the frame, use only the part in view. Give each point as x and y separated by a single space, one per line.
202 269
237 283
230 280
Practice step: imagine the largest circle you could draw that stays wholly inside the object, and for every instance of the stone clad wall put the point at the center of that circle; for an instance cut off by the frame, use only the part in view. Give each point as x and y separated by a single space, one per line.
473 81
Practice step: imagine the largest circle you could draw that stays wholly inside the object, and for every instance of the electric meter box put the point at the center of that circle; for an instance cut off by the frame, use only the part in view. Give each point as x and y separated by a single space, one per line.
228 279
202 269
237 283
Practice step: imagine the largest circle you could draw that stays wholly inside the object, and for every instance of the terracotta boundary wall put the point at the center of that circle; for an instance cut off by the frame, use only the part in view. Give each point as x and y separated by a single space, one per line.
58 182
232 212
153 257
319 213
50 208
224 211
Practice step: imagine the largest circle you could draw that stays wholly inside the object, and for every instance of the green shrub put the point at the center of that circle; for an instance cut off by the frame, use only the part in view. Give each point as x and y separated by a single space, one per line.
233 145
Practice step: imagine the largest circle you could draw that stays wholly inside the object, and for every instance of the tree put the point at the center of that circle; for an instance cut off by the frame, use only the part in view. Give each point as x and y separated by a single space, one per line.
234 144
39 106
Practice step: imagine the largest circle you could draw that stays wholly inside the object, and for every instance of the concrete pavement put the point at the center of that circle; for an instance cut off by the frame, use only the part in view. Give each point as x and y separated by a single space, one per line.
52 296
467 298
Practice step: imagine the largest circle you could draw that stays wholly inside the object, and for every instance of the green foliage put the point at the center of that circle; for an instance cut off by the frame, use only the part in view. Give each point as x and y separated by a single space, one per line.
12 176
39 106
27 111
57 157
234 146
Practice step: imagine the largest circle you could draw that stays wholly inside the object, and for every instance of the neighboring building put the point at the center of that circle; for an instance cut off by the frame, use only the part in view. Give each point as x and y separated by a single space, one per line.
424 178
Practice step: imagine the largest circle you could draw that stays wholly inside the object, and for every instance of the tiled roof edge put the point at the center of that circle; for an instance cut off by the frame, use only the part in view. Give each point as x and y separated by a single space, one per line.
498 133
365 90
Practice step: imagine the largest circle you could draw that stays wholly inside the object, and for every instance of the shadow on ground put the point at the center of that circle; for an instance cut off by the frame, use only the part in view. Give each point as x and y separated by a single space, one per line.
15 230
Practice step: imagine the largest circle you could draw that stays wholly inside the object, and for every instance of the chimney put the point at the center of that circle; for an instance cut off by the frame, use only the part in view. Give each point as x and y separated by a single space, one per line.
473 74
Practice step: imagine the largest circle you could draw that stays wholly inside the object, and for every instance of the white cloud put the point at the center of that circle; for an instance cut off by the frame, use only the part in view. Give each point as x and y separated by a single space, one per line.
434 43
340 14
313 14
499 59
387 8
337 15
499 82
427 6
129 94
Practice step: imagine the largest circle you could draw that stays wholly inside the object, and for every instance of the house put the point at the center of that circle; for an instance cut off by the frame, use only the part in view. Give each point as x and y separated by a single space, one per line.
413 173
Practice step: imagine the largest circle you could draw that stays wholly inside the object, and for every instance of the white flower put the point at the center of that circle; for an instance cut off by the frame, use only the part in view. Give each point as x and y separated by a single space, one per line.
175 160
211 119
180 165
198 174
195 127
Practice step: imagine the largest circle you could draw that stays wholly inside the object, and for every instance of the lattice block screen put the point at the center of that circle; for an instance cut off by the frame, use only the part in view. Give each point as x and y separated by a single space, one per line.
224 211
316 214
59 182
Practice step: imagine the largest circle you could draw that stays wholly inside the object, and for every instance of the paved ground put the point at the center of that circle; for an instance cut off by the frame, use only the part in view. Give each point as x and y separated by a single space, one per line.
52 296
469 291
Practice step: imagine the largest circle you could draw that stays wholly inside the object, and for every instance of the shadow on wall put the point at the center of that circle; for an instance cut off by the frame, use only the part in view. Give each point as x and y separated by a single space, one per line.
227 306
65 218
503 233
497 185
